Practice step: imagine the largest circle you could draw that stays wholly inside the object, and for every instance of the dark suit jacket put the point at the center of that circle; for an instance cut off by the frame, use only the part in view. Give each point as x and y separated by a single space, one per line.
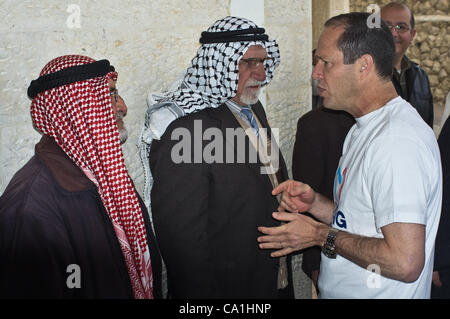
206 214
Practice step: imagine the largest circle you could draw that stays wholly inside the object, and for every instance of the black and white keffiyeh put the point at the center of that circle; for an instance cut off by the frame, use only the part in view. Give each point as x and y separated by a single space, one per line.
210 80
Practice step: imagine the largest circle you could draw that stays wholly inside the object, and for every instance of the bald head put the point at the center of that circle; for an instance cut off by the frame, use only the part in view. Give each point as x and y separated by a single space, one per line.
400 18
397 5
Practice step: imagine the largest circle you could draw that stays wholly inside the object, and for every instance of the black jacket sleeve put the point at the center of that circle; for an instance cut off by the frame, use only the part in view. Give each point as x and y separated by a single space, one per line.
35 254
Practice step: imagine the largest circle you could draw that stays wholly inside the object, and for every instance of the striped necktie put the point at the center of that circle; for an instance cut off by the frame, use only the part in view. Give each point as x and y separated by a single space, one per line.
245 110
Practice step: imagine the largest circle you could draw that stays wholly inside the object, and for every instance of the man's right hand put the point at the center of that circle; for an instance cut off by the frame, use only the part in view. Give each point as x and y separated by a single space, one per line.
436 280
296 197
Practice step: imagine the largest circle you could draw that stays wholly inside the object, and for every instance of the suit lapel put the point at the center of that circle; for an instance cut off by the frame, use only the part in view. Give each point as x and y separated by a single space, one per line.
226 120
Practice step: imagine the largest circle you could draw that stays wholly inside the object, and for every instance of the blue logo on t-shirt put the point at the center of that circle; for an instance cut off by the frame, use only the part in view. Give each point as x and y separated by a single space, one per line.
339 219
339 182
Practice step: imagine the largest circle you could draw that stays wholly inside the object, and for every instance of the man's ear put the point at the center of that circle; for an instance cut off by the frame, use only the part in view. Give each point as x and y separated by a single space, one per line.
365 65
413 34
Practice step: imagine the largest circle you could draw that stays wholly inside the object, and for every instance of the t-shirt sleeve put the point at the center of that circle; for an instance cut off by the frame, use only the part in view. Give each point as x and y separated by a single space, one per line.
397 176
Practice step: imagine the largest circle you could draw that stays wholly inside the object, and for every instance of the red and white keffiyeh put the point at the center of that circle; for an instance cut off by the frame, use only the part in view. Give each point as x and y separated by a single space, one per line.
79 117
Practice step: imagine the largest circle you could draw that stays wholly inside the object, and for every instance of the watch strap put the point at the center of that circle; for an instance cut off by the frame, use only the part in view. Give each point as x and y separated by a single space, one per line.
329 248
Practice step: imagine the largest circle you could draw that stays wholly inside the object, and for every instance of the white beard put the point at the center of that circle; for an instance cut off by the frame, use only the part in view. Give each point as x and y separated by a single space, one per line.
123 135
123 132
250 97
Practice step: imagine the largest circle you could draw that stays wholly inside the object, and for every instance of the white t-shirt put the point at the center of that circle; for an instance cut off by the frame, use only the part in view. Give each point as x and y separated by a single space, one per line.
390 171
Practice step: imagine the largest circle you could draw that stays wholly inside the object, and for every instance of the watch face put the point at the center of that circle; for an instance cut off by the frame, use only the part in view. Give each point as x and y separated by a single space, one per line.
330 253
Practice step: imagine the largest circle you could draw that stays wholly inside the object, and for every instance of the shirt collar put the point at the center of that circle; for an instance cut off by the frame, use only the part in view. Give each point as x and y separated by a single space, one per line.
234 107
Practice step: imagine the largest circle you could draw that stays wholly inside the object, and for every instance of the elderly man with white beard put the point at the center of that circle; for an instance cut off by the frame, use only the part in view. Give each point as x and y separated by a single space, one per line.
119 110
206 212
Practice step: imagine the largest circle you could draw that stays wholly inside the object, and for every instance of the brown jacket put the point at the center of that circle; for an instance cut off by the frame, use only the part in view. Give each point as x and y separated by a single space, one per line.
51 217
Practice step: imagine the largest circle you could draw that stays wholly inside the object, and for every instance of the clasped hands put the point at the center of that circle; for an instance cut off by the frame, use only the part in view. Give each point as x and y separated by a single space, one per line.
298 231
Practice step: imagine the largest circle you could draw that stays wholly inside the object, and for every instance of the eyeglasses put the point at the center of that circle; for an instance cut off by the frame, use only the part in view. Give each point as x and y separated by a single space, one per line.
114 93
400 28
253 63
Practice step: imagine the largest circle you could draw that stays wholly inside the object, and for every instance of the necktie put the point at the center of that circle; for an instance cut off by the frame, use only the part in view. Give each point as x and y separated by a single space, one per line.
251 119
282 281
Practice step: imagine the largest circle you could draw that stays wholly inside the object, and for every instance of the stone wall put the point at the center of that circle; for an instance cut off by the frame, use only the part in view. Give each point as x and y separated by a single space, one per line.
431 45
289 94
150 43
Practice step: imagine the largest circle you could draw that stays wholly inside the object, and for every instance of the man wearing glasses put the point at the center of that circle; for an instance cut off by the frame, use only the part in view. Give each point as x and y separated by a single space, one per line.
410 80
207 205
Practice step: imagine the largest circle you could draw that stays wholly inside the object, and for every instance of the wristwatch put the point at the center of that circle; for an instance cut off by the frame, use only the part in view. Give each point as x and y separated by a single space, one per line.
329 248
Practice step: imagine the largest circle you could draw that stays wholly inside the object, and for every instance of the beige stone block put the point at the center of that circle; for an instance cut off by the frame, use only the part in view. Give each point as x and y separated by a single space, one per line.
442 5
438 94
286 12
431 38
434 80
446 64
436 67
434 30
413 51
424 47
435 53
427 63
425 6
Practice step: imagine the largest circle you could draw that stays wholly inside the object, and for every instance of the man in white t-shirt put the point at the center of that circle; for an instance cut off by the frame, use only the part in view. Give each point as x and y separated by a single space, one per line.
378 234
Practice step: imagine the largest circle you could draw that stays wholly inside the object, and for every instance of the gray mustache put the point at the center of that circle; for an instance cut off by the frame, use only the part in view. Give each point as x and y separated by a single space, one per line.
252 82
120 115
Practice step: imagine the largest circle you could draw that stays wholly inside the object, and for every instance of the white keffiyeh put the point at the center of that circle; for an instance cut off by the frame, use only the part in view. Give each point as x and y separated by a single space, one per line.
210 80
